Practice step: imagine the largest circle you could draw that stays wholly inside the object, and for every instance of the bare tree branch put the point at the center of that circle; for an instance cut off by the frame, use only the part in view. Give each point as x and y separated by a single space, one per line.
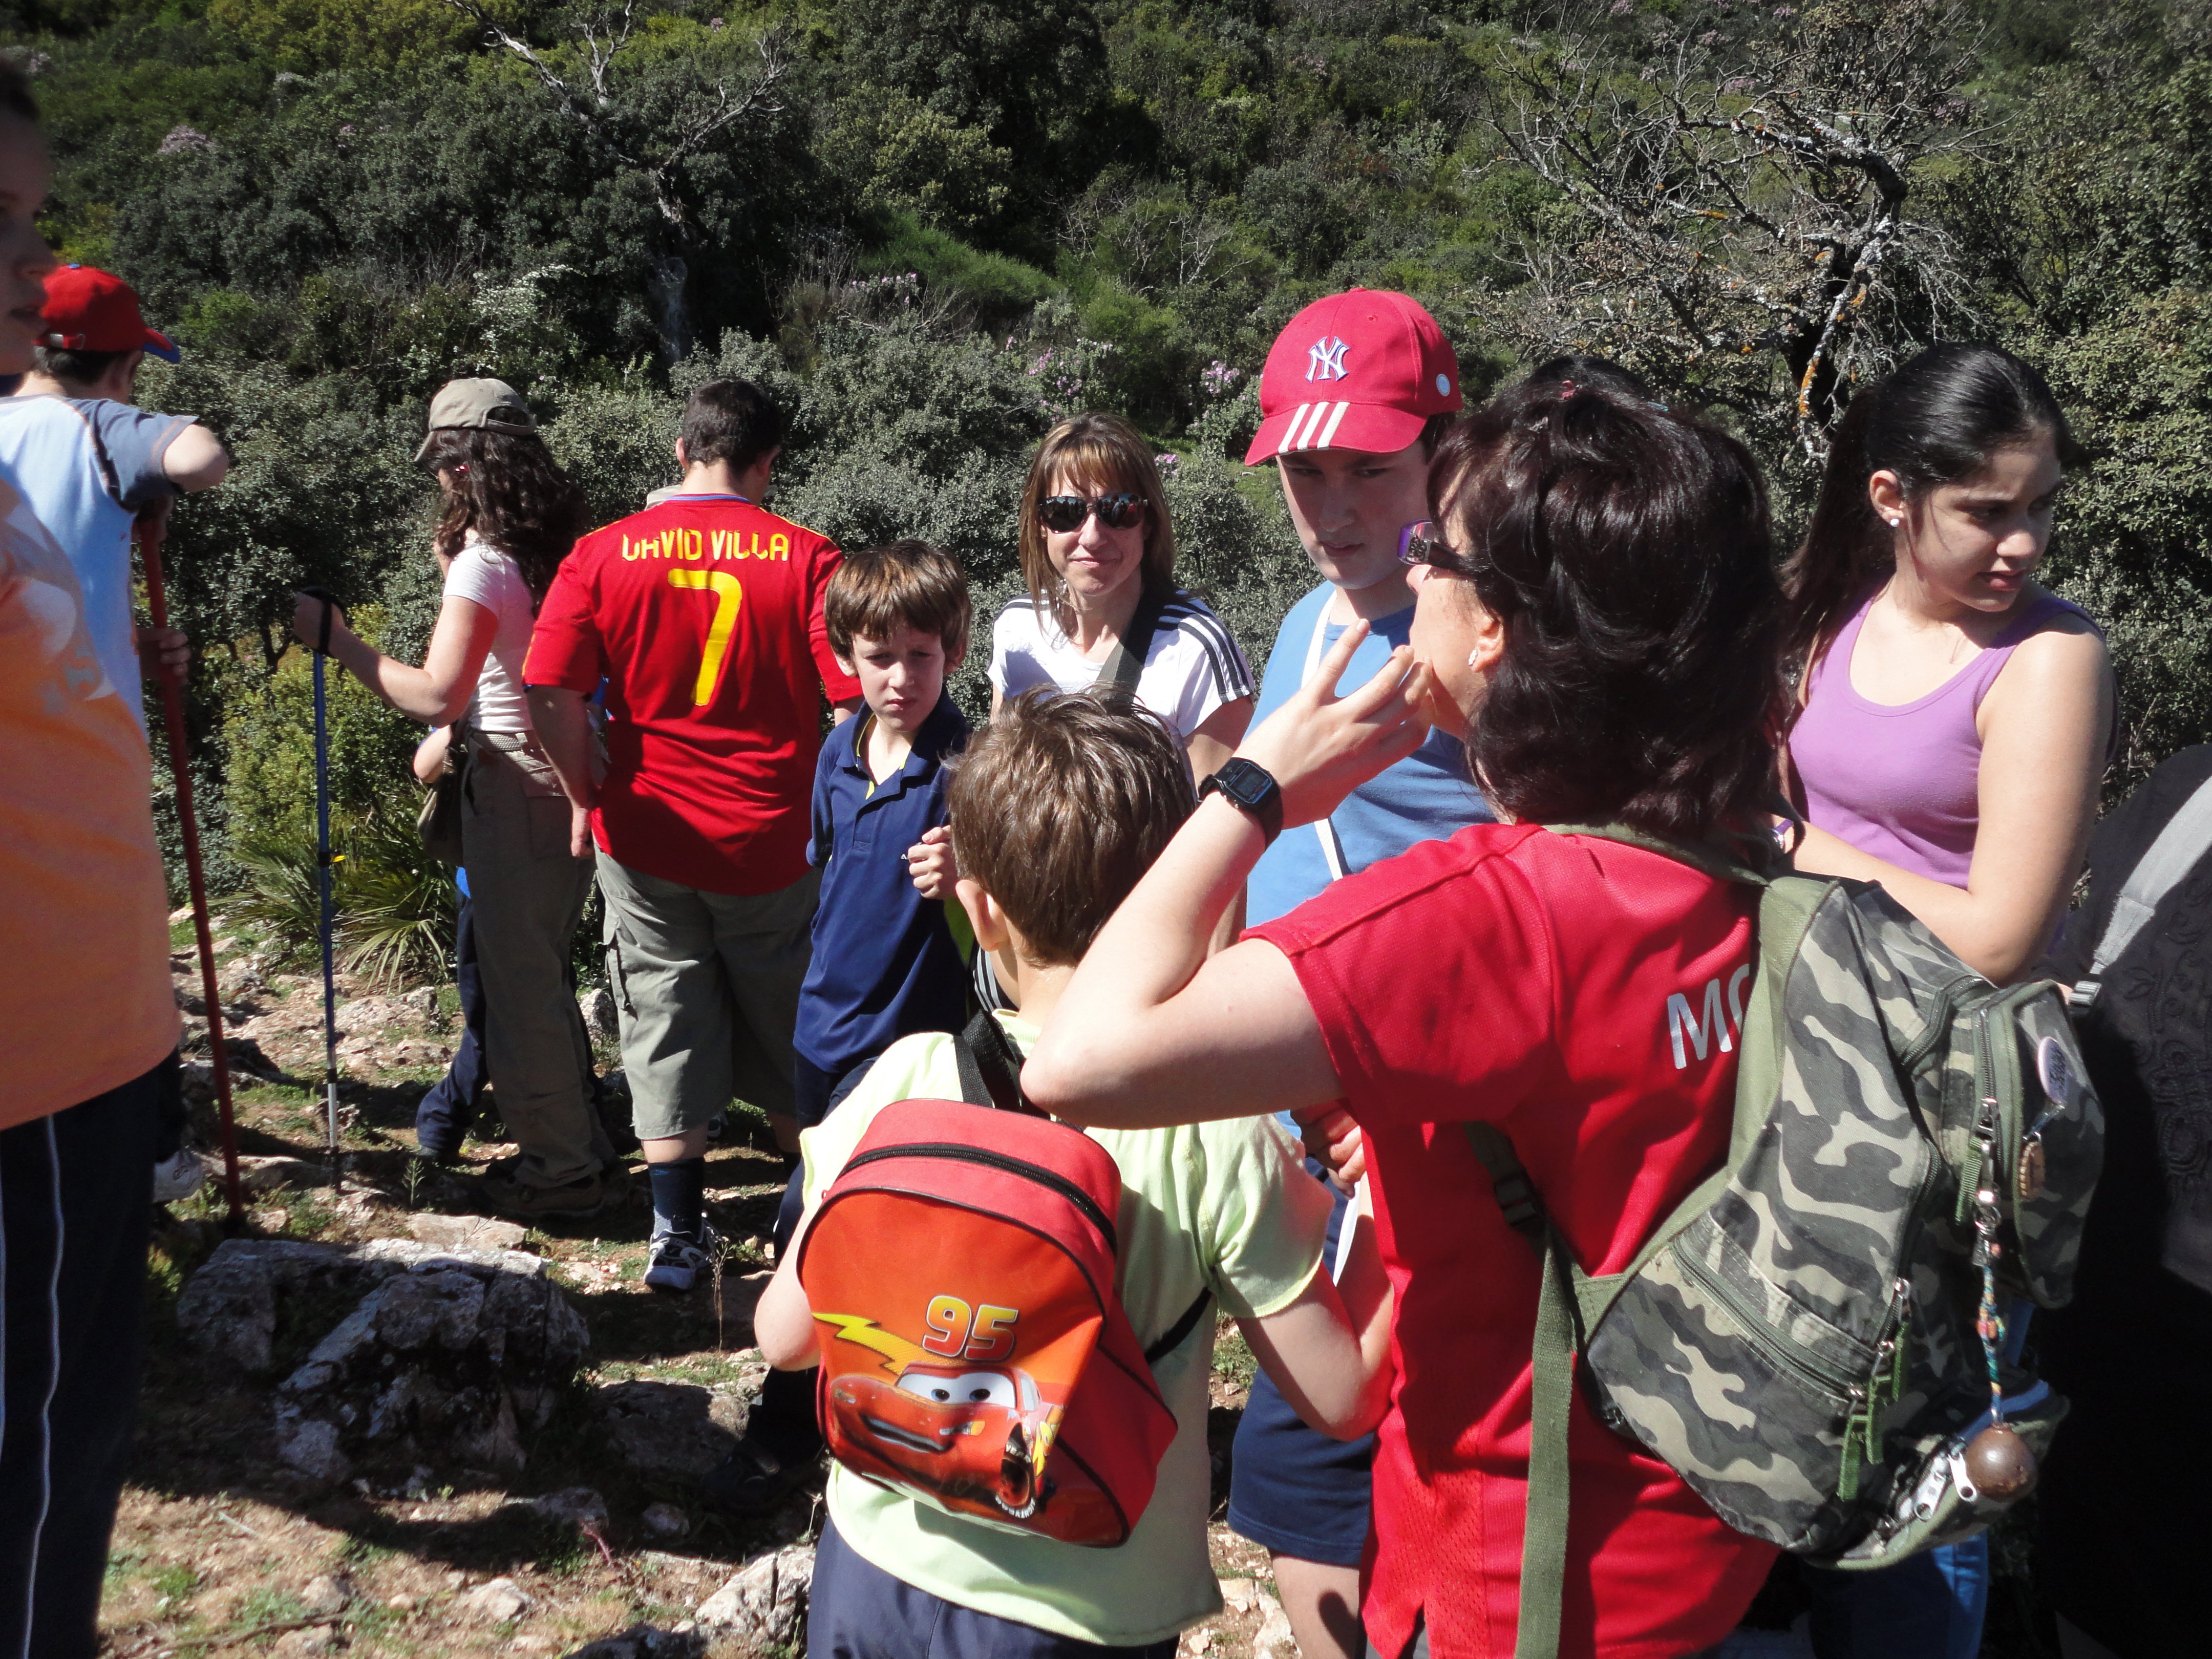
1748 201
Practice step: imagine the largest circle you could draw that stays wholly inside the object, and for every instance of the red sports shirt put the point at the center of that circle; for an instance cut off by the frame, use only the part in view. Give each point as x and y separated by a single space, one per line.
1580 995
704 615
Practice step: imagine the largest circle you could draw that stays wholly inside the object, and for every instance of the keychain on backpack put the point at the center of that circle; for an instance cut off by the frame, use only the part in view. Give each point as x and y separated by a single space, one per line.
1997 1460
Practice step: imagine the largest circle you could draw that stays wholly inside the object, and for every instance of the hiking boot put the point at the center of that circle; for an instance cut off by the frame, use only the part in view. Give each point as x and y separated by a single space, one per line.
677 1260
178 1177
505 1190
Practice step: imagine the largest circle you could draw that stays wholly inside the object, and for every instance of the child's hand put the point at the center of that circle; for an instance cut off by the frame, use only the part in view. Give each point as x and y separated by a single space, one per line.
930 862
166 651
1334 1139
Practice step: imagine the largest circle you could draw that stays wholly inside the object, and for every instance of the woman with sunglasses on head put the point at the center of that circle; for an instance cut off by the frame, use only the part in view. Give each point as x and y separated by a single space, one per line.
508 517
1599 620
1952 726
1098 557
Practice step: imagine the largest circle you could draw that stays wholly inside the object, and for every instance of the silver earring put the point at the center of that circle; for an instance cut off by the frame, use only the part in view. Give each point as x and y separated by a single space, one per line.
1471 657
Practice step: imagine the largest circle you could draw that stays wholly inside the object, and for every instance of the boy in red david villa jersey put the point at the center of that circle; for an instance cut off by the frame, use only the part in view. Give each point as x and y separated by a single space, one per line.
703 615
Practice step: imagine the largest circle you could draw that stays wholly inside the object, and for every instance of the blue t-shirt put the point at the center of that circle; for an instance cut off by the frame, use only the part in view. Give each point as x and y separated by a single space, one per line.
86 466
885 962
1424 797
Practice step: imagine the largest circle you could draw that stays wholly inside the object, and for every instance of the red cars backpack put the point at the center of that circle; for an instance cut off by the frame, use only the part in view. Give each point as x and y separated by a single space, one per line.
974 1352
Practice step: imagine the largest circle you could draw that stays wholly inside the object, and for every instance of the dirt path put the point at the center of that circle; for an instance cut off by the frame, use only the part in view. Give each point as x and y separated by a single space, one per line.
222 1549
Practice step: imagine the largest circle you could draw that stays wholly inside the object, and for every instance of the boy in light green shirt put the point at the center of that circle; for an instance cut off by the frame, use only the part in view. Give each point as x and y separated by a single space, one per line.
1059 806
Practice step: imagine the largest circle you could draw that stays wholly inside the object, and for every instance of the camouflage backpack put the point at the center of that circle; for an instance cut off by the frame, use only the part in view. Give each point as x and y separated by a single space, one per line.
1814 1336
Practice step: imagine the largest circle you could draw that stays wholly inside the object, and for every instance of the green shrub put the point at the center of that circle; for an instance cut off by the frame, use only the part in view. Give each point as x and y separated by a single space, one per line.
998 288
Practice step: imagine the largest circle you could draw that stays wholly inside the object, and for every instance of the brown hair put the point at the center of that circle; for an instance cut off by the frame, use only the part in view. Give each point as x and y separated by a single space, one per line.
730 420
1626 550
1098 451
899 584
508 488
1060 804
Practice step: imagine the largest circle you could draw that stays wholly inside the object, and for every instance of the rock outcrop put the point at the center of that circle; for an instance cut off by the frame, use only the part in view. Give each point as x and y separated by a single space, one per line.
449 1354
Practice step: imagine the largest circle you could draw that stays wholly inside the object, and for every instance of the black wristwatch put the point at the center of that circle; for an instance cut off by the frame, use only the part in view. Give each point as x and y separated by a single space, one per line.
1249 787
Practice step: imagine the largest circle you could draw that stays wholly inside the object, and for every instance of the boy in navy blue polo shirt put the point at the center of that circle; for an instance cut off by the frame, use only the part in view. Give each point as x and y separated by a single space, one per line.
886 963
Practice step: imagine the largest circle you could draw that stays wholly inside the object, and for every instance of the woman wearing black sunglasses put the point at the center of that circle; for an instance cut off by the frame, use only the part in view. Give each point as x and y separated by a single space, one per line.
1098 557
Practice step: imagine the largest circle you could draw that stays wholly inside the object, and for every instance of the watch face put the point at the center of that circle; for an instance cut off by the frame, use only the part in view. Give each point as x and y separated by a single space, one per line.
1243 782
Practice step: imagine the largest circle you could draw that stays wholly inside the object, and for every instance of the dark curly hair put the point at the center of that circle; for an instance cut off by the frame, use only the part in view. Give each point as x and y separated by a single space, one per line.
1628 553
508 488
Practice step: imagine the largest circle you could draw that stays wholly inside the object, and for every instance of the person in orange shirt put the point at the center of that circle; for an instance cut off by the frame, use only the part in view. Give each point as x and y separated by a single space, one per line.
91 1019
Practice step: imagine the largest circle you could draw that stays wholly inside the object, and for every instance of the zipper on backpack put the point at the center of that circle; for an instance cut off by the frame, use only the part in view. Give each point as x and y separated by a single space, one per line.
954 1153
1937 1029
1781 1351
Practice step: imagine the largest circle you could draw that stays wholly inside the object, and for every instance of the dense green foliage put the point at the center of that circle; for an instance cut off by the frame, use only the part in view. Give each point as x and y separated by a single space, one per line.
934 225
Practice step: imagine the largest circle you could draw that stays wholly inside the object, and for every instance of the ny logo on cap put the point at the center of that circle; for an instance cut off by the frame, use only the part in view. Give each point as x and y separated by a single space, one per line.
1325 359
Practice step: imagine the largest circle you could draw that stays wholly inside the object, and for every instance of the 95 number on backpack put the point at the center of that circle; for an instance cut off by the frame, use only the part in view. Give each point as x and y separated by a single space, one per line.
957 1332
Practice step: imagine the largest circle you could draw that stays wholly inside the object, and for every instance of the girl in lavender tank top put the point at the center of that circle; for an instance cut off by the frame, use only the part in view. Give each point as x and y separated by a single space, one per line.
1956 718
1954 722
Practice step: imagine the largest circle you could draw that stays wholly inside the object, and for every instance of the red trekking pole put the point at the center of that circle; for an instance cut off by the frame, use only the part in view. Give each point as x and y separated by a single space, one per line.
153 527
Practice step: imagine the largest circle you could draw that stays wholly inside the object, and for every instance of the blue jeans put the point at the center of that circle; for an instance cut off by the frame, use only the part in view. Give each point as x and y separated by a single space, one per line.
1929 1607
444 1114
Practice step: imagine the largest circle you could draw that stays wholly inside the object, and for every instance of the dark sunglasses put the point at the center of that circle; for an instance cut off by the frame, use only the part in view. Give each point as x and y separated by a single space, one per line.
1063 514
1423 543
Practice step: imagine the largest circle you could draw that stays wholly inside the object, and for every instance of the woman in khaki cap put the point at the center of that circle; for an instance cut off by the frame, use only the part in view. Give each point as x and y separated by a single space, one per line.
509 515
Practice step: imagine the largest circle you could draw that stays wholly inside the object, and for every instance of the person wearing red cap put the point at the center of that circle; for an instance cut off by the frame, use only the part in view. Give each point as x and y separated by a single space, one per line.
1356 394
89 461
91 1016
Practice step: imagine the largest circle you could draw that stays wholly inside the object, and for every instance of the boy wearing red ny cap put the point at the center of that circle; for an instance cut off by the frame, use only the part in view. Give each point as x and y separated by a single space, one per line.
88 461
1355 396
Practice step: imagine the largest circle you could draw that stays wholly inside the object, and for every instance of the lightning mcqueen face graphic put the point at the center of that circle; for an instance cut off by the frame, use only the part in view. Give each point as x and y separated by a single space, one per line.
961 1432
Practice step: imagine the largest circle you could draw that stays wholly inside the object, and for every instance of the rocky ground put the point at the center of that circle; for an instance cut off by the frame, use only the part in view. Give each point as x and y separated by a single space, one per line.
357 1434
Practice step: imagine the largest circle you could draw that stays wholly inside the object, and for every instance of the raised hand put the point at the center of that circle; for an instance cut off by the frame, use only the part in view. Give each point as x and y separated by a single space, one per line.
1320 747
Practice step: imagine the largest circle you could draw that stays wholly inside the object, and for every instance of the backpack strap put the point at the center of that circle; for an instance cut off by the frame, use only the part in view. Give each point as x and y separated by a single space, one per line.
1752 859
1126 663
990 1067
1176 1334
991 1075
1558 1342
1516 1195
2185 838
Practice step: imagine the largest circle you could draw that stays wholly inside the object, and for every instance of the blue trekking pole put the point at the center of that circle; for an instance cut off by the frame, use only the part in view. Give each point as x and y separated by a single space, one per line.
323 873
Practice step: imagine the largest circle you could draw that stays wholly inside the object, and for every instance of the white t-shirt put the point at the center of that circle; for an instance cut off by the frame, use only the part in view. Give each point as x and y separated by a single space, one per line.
483 574
1191 667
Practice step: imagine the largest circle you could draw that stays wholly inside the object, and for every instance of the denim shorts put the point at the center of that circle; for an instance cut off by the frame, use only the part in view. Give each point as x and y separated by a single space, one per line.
1292 1490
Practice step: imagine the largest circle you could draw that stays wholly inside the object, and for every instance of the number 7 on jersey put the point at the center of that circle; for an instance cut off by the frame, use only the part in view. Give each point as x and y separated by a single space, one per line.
729 595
